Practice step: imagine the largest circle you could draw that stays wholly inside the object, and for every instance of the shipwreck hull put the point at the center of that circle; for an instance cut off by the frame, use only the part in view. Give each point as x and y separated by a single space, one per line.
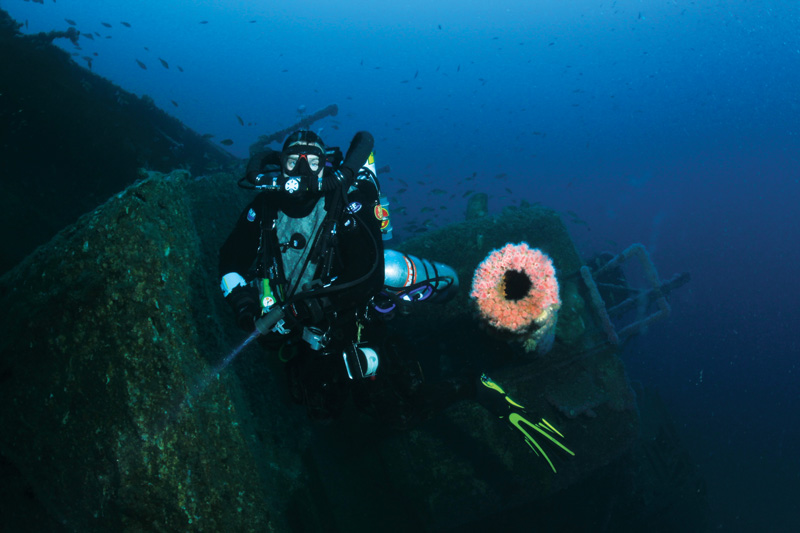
114 419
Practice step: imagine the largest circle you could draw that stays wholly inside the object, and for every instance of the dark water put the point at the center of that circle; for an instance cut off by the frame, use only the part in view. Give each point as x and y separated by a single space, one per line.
671 123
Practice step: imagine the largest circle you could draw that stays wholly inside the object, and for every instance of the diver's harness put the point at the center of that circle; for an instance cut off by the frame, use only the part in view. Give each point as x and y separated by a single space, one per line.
288 304
308 303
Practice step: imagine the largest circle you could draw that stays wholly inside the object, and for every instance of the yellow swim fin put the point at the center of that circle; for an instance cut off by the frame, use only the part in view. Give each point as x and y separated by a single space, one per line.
512 413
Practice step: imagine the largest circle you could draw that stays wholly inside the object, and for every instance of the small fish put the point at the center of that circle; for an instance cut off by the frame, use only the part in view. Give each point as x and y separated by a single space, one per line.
226 142
501 176
146 49
88 36
438 192
401 191
163 63
141 65
467 193
207 135
253 21
384 170
125 24
71 22
174 103
106 24
179 68
426 209
440 26
399 211
203 22
509 191
241 121
403 183
416 74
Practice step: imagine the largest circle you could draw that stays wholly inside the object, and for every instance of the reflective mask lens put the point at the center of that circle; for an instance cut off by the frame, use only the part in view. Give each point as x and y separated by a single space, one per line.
291 162
302 164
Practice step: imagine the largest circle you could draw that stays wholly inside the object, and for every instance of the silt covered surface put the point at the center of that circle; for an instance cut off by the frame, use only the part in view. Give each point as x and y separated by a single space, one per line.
100 355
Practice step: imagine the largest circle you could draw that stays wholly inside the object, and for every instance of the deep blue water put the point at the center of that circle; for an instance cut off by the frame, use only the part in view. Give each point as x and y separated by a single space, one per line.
672 123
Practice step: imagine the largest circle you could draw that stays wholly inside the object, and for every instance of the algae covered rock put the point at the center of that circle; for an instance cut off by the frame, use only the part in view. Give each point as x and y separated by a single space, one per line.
99 362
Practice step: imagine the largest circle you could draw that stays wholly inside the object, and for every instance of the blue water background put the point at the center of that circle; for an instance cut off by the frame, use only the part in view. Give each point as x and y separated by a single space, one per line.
671 123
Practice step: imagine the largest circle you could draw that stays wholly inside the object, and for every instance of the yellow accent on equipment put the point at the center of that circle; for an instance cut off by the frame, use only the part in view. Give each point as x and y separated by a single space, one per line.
516 420
487 382
515 404
554 430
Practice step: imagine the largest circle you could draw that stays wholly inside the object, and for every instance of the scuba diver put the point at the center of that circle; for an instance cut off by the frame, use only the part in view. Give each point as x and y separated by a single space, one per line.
305 266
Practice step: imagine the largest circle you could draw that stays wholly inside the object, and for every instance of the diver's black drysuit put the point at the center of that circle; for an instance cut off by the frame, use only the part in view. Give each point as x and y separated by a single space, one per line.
324 253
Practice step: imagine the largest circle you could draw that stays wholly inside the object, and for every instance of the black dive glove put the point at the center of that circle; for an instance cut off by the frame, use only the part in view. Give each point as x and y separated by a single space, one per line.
244 303
358 153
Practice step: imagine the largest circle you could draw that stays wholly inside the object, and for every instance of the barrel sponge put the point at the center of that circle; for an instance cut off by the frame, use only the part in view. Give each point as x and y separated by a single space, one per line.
515 288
